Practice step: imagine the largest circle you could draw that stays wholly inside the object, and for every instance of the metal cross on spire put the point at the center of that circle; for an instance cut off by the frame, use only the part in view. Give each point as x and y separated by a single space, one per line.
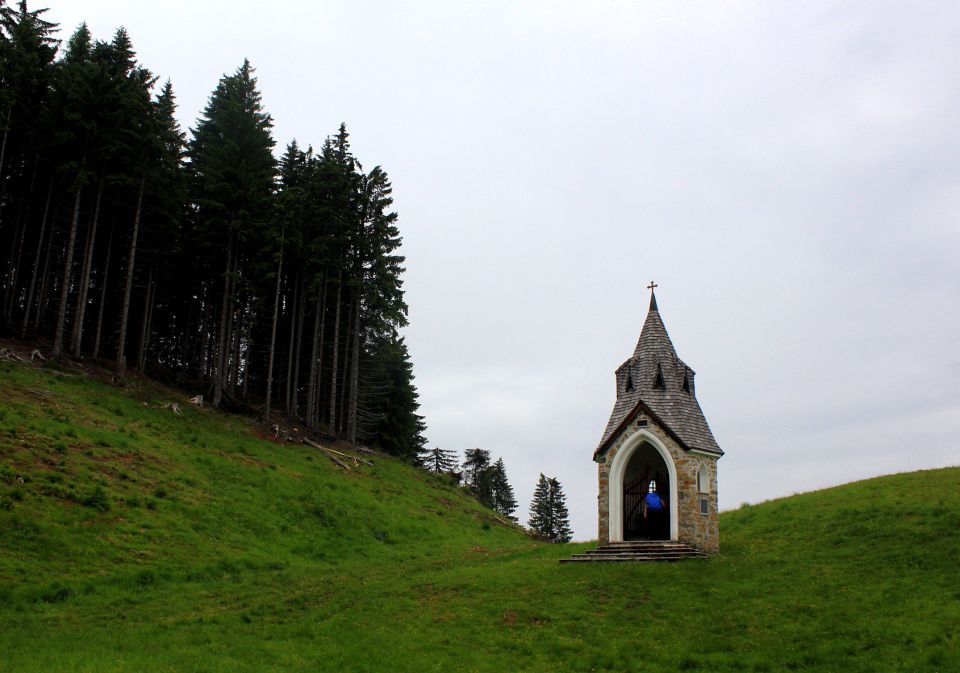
653 297
651 286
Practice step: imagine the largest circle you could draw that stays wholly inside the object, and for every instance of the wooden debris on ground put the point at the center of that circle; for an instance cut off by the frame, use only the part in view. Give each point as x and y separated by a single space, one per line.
339 462
11 355
174 407
333 453
197 400
355 459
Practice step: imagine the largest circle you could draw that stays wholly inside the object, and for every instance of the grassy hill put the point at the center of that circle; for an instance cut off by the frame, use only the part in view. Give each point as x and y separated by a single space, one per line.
132 539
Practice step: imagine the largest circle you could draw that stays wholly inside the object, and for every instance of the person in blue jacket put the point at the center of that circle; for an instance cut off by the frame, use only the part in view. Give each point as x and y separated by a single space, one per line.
652 499
653 507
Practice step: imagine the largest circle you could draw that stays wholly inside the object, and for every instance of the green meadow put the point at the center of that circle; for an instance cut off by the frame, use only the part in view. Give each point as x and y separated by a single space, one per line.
133 539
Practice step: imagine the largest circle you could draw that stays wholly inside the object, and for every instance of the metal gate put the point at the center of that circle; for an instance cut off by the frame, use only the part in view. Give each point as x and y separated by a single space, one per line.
633 524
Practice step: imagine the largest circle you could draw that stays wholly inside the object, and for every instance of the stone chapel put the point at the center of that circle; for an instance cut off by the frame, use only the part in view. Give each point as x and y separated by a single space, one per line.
657 439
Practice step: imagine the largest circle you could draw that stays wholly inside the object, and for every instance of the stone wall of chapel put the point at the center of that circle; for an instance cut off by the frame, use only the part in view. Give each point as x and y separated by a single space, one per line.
698 530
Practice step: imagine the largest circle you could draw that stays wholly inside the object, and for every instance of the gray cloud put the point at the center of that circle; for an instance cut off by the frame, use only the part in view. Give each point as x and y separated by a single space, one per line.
787 172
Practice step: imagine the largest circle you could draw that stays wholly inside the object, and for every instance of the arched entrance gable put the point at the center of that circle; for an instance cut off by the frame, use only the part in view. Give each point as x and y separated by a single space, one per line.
617 473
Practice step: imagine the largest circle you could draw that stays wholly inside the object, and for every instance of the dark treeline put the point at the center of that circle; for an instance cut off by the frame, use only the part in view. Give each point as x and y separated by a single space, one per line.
204 262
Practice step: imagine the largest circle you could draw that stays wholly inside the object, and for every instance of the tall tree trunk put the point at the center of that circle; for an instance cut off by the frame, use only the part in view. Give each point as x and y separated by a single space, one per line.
67 268
103 292
343 376
234 324
322 342
205 365
121 364
146 345
296 364
85 275
36 262
233 338
247 331
314 381
10 266
149 336
16 255
293 337
42 297
273 333
222 344
185 356
145 323
336 353
3 157
354 373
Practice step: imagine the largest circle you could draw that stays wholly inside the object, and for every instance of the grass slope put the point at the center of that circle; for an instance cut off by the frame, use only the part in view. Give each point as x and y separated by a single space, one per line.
141 541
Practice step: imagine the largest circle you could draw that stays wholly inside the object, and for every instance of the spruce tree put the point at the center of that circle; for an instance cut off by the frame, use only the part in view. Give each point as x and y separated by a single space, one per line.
163 238
475 463
120 147
27 69
140 160
504 500
232 169
559 517
478 476
391 416
541 514
294 214
340 176
548 512
75 101
378 308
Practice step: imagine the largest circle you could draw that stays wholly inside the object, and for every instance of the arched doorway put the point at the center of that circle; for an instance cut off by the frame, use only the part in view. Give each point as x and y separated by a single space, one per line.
645 471
642 453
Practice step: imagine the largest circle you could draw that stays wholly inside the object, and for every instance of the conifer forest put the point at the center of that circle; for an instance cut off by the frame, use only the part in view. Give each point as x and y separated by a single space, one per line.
195 256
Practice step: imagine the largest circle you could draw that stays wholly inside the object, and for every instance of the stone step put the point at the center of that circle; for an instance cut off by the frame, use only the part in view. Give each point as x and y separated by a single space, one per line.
641 553
648 552
628 550
605 554
644 543
619 558
641 547
637 550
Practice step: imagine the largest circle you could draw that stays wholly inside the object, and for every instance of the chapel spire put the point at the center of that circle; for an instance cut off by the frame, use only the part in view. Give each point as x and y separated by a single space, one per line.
663 384
654 342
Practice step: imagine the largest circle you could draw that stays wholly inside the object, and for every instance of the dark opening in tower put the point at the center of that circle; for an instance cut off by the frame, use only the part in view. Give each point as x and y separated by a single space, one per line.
646 473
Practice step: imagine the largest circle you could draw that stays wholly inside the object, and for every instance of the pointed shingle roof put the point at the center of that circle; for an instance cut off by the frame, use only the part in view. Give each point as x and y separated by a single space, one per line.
656 381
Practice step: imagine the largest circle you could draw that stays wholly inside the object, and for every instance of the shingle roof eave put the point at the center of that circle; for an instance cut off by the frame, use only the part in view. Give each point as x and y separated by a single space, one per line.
642 406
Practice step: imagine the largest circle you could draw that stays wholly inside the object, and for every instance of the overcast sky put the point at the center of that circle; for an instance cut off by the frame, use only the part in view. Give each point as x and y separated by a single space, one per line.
787 172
